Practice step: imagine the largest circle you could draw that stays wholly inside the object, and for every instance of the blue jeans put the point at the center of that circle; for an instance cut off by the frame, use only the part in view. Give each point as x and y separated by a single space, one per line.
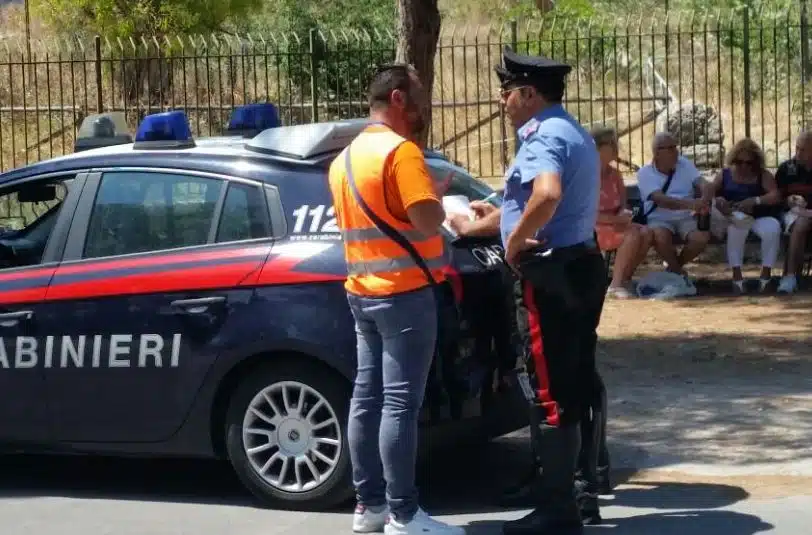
396 341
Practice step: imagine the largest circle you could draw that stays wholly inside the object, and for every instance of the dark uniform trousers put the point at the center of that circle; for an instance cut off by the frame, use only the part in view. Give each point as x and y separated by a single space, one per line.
559 299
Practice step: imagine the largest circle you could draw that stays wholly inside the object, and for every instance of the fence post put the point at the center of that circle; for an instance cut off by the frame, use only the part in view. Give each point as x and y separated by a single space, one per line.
805 41
314 72
99 94
747 95
514 44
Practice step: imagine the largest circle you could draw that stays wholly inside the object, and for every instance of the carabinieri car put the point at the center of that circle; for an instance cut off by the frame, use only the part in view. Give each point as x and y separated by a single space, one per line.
166 296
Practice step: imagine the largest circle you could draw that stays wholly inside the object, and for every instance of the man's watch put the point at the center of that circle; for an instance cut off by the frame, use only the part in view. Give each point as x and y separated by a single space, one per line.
758 200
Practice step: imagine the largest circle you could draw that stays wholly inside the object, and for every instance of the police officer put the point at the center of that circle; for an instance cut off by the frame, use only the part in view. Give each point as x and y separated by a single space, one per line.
547 223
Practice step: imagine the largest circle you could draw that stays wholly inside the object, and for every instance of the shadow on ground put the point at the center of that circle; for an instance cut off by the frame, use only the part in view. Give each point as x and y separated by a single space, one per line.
677 523
471 481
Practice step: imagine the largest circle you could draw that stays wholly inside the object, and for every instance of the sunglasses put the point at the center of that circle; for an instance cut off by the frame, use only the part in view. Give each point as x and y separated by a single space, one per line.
667 147
739 161
503 93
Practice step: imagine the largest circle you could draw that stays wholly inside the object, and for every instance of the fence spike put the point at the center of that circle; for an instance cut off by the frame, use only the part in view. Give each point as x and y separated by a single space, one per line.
296 36
80 45
262 40
168 42
182 45
120 44
132 44
345 36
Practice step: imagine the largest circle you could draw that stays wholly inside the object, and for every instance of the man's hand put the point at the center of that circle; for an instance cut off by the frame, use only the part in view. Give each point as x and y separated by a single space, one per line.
700 206
459 223
515 245
723 206
481 208
746 205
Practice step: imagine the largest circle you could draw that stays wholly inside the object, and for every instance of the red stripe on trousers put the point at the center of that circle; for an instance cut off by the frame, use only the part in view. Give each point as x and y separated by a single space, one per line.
539 359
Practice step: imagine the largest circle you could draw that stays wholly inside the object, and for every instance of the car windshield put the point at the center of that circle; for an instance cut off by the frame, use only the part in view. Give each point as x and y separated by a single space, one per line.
462 183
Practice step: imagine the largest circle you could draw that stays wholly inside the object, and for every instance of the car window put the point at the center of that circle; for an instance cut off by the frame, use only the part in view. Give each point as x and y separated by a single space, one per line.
143 211
28 215
244 215
462 183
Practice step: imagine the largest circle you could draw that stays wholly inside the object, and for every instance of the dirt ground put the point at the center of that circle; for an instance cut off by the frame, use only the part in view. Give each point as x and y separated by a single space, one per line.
710 387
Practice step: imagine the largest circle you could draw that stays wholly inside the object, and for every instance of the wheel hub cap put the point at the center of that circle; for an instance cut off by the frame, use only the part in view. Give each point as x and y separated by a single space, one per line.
291 436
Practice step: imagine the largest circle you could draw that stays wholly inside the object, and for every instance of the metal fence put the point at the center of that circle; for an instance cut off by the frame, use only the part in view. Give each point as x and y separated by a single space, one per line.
745 73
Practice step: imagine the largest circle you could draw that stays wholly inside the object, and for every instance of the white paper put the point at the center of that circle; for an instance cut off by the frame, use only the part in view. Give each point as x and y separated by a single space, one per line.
458 204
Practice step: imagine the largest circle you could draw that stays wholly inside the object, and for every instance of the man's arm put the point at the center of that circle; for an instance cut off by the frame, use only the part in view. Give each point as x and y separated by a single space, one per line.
417 190
547 168
483 227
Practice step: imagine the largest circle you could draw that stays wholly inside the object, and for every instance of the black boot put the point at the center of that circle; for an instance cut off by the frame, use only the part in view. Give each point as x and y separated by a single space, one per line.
586 481
604 467
556 511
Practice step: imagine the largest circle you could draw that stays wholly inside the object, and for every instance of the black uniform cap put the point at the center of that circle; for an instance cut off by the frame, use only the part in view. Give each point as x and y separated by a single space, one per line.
535 70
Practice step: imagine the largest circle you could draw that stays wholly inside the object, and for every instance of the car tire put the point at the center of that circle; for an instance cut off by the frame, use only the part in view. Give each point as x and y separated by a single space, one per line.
303 440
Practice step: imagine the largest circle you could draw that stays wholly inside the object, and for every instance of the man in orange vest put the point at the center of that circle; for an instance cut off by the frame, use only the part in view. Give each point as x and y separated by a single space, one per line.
389 214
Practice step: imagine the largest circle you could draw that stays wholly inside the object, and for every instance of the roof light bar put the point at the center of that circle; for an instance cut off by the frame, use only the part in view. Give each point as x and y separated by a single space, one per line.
251 119
102 130
306 141
167 130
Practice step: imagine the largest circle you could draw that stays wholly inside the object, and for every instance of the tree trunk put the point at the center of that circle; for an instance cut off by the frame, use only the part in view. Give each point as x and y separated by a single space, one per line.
418 33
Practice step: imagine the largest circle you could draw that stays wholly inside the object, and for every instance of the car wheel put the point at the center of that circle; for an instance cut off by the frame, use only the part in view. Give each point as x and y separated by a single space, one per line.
286 435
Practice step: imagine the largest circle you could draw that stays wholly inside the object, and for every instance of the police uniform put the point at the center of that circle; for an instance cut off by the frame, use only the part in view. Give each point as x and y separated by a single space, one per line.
559 295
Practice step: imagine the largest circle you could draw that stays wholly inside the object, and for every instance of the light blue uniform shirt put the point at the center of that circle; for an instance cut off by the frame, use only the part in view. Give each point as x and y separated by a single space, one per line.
553 141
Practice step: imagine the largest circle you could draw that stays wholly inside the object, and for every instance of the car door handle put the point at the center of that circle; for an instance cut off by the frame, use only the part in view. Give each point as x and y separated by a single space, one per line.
198 305
11 319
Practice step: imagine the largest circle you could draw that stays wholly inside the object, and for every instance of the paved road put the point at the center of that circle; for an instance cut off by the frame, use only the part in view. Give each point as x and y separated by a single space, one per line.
85 496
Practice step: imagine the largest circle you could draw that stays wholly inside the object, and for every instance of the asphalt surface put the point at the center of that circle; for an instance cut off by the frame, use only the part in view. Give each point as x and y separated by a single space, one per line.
92 496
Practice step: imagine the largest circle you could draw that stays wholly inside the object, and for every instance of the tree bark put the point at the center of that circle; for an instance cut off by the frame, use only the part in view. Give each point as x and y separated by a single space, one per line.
418 32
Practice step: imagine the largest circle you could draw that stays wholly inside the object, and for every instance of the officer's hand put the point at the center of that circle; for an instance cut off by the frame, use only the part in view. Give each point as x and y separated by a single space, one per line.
514 247
481 208
459 223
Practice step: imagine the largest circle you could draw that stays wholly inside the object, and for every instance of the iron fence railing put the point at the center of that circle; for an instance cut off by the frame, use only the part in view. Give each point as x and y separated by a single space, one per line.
742 74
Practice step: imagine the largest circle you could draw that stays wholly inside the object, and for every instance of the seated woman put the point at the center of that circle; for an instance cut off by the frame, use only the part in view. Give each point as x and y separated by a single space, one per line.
746 198
615 229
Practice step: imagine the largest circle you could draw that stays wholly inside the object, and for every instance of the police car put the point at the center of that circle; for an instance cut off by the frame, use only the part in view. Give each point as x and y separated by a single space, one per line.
172 296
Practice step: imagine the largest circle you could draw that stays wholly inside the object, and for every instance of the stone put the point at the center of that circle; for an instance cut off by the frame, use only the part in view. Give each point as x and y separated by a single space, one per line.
705 156
692 123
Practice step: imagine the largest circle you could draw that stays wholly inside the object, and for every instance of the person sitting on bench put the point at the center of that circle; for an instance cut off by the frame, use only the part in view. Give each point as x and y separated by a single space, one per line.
615 229
794 178
676 205
746 200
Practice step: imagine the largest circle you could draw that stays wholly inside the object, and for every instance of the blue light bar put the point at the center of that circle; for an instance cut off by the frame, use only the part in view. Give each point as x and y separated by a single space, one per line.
251 119
168 130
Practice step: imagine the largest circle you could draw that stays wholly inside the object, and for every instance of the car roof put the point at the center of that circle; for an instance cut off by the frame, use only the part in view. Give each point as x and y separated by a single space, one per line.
226 155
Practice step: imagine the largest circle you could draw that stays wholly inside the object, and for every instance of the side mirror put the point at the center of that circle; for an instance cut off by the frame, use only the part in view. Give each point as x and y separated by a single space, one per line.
40 193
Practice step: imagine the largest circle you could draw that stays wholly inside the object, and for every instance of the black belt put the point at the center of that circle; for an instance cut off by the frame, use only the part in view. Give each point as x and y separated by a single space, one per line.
567 252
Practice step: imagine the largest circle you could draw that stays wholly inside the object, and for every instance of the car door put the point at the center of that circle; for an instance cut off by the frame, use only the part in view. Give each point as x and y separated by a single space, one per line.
155 264
35 215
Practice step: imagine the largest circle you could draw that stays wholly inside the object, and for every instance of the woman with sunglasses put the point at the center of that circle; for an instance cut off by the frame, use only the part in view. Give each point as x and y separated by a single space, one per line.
747 200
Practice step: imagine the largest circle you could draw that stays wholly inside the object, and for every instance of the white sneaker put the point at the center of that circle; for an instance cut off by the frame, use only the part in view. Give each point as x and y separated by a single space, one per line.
369 519
421 524
788 284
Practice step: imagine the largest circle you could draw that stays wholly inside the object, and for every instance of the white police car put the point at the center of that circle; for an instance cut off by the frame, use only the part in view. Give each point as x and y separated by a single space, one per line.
166 296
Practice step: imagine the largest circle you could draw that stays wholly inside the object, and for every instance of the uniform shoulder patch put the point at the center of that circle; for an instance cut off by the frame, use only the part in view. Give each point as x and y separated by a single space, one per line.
529 129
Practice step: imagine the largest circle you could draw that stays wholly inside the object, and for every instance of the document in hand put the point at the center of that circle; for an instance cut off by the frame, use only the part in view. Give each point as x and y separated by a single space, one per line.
456 204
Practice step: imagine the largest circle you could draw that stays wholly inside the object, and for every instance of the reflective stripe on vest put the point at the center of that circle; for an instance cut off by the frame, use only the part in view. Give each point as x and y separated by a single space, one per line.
376 264
391 264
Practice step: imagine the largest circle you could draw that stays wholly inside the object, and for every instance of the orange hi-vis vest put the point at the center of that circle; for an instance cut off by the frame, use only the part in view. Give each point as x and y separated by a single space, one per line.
376 264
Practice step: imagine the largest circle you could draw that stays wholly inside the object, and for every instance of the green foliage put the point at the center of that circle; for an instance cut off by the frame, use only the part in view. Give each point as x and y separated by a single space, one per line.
127 18
340 56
